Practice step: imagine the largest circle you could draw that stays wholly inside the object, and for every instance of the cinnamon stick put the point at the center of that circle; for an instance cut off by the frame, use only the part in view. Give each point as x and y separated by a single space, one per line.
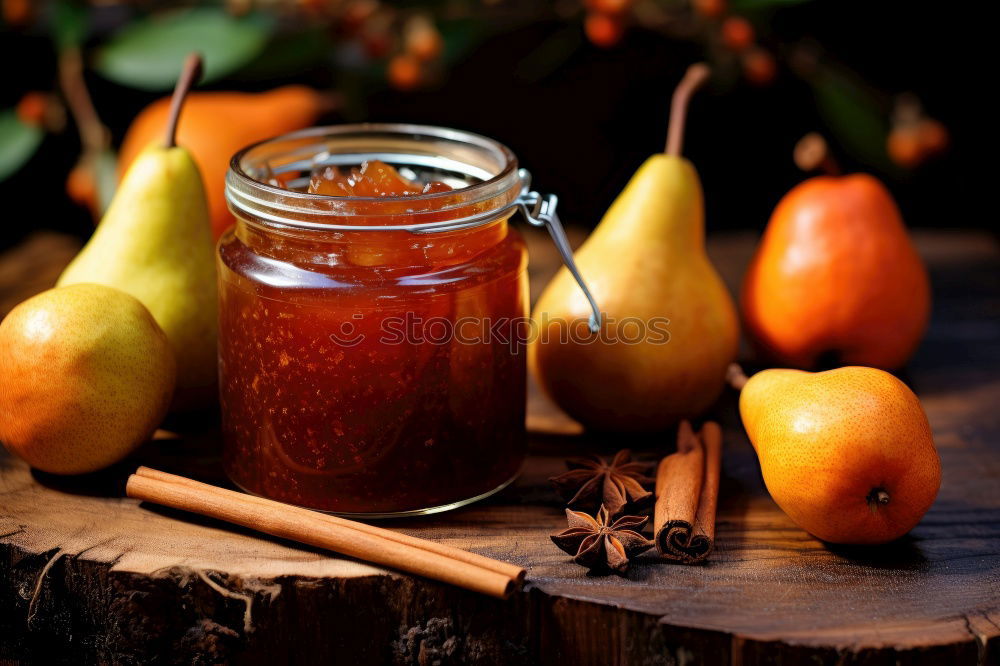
687 491
512 571
704 520
309 527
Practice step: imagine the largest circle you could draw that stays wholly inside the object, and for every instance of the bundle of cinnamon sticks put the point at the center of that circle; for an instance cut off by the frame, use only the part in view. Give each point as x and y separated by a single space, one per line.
687 494
364 542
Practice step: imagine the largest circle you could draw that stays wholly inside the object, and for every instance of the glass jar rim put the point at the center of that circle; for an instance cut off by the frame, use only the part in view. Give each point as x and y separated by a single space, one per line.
476 156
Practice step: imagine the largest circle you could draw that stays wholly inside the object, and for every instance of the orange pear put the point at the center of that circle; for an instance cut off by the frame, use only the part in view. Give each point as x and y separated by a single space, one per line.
836 279
86 375
846 453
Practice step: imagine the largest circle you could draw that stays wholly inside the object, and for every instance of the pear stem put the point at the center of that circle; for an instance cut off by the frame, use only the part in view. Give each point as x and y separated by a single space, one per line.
695 76
812 153
189 76
735 376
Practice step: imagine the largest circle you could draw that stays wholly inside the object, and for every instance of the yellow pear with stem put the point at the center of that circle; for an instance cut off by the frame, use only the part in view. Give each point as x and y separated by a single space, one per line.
155 243
669 327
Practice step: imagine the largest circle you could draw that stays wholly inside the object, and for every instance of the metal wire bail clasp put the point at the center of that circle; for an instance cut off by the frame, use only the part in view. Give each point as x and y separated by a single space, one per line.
540 211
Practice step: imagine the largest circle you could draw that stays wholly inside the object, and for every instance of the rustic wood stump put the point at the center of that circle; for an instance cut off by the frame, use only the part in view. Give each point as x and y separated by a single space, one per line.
87 576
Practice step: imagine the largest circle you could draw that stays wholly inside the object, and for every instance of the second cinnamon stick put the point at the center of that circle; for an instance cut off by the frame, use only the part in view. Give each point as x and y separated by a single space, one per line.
687 489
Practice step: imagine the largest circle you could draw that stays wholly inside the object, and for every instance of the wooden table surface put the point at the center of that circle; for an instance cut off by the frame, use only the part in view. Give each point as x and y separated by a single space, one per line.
88 576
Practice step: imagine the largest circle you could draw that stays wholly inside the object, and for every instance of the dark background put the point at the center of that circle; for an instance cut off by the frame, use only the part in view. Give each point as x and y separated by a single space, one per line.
583 118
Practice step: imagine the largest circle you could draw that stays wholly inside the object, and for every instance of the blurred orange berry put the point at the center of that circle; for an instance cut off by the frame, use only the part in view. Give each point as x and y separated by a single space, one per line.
82 188
933 135
608 6
604 30
404 72
737 34
905 147
709 8
911 142
31 110
423 40
16 12
759 67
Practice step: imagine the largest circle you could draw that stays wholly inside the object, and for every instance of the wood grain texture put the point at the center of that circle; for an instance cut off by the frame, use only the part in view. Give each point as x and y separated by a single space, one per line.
87 576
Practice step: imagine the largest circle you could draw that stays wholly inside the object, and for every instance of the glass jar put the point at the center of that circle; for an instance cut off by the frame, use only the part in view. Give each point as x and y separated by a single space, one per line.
372 349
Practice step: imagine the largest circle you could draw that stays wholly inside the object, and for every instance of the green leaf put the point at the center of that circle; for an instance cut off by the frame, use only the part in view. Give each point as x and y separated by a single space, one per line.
18 142
149 53
69 24
854 114
288 53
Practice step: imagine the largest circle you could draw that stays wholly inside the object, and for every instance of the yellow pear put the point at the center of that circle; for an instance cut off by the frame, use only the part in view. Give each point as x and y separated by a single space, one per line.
847 453
86 375
155 243
669 327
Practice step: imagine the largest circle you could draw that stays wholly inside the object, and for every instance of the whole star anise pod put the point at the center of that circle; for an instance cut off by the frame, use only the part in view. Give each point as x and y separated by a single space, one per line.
592 482
600 546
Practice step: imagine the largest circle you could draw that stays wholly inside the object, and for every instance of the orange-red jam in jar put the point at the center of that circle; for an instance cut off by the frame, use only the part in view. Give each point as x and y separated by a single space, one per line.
372 347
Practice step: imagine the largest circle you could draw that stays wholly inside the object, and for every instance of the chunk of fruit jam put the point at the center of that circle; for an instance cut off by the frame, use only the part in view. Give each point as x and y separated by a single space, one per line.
373 179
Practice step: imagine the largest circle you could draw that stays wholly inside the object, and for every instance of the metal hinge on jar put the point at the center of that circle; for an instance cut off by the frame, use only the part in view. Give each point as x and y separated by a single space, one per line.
540 211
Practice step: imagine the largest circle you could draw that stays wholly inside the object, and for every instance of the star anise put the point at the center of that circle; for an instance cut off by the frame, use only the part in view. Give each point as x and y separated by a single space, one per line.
591 482
600 546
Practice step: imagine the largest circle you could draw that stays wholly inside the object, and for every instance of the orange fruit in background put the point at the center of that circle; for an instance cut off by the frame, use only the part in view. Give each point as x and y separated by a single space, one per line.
422 39
215 125
759 66
909 144
86 376
82 188
836 278
905 147
404 72
31 109
604 30
17 13
848 453
737 33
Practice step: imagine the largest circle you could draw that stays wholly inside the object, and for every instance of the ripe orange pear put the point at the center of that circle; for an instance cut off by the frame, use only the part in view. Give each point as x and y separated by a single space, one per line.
218 124
86 375
836 279
669 326
847 453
